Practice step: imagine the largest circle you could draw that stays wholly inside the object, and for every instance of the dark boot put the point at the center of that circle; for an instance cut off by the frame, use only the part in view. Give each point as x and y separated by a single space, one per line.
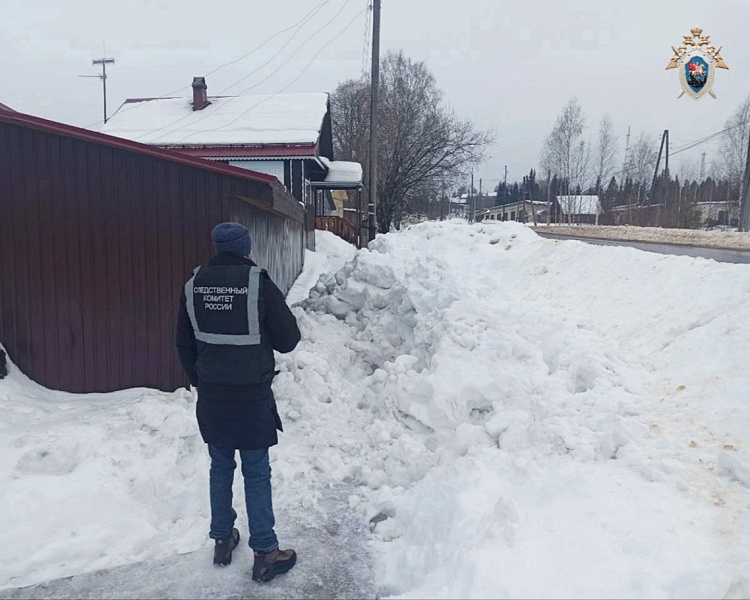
269 564
223 549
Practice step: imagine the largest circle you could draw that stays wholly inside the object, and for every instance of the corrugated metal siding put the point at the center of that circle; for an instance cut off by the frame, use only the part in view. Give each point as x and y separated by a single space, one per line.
95 245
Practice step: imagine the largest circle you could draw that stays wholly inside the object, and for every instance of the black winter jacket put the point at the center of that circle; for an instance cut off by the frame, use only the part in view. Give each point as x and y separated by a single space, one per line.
238 416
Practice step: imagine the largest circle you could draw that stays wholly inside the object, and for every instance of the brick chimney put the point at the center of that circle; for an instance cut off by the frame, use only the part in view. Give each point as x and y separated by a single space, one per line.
200 98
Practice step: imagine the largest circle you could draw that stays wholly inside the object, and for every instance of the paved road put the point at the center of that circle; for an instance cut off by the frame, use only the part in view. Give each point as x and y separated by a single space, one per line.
730 256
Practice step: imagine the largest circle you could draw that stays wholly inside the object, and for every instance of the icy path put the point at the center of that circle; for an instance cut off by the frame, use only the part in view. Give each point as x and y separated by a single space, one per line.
334 562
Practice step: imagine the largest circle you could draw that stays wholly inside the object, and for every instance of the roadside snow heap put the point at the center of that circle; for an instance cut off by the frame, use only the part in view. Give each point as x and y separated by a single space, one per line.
509 416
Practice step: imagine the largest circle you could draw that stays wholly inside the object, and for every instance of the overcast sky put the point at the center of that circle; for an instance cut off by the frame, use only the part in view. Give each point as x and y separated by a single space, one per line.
509 66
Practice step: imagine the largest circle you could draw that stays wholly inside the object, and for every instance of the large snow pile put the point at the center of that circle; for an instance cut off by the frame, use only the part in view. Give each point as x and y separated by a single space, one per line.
534 418
331 253
512 416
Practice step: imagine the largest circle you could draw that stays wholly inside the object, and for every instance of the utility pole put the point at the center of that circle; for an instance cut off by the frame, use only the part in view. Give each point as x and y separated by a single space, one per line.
744 224
480 191
470 202
103 62
533 210
703 167
627 149
442 201
505 184
549 204
374 83
656 168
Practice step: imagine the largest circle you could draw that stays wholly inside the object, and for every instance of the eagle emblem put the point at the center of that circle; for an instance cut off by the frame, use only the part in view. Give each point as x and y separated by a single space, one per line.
696 60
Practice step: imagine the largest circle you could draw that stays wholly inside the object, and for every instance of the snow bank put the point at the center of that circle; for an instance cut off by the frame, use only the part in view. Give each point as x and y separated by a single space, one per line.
330 255
531 418
511 416
92 481
684 237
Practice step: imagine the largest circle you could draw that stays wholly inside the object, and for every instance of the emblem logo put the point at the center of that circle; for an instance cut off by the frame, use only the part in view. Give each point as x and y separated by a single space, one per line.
697 59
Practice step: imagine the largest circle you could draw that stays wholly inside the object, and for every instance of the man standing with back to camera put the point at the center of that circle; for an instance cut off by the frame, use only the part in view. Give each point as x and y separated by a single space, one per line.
231 319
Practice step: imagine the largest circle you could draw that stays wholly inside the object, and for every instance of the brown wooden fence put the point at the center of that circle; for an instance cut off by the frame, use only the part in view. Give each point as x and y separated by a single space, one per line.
339 227
97 237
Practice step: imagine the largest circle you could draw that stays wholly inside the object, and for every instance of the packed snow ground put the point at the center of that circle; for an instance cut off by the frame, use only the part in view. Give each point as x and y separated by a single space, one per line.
512 416
729 240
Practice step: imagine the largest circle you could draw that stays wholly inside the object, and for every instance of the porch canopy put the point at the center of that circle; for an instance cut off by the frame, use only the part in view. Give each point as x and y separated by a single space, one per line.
340 176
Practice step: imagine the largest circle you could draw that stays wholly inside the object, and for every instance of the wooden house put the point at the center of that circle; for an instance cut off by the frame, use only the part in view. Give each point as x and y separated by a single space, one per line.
287 136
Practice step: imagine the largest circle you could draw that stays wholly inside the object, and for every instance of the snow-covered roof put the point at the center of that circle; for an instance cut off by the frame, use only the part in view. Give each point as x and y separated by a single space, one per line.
252 120
342 172
503 207
580 205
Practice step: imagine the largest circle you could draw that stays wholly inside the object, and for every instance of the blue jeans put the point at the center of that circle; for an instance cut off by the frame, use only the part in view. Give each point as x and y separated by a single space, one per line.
257 474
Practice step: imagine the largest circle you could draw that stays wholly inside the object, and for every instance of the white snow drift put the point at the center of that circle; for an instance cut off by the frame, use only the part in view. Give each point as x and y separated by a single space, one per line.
513 416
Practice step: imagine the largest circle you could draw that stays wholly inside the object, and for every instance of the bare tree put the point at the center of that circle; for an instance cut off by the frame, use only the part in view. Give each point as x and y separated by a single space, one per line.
734 146
565 153
688 170
606 153
422 143
640 166
350 106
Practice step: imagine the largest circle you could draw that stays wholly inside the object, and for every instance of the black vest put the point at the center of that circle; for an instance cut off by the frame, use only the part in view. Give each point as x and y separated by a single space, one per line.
225 306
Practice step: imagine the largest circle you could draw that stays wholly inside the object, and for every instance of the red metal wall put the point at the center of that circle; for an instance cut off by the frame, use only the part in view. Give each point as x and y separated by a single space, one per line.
95 244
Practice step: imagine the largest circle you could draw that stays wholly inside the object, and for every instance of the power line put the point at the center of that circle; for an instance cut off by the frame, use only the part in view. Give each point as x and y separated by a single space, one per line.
229 101
343 6
685 148
299 26
284 48
303 20
703 141
290 84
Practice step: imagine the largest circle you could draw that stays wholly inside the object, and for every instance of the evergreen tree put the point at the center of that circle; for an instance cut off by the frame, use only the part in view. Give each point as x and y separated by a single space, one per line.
555 186
514 194
611 195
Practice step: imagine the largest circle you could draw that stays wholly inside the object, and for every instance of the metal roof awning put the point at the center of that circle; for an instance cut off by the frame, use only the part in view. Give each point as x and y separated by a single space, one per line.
341 175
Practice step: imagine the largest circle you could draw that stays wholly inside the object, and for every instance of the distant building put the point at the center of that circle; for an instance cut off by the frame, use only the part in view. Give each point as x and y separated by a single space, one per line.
458 207
580 209
719 214
515 211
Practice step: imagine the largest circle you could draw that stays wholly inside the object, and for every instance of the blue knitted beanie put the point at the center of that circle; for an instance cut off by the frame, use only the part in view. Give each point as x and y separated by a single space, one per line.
232 238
